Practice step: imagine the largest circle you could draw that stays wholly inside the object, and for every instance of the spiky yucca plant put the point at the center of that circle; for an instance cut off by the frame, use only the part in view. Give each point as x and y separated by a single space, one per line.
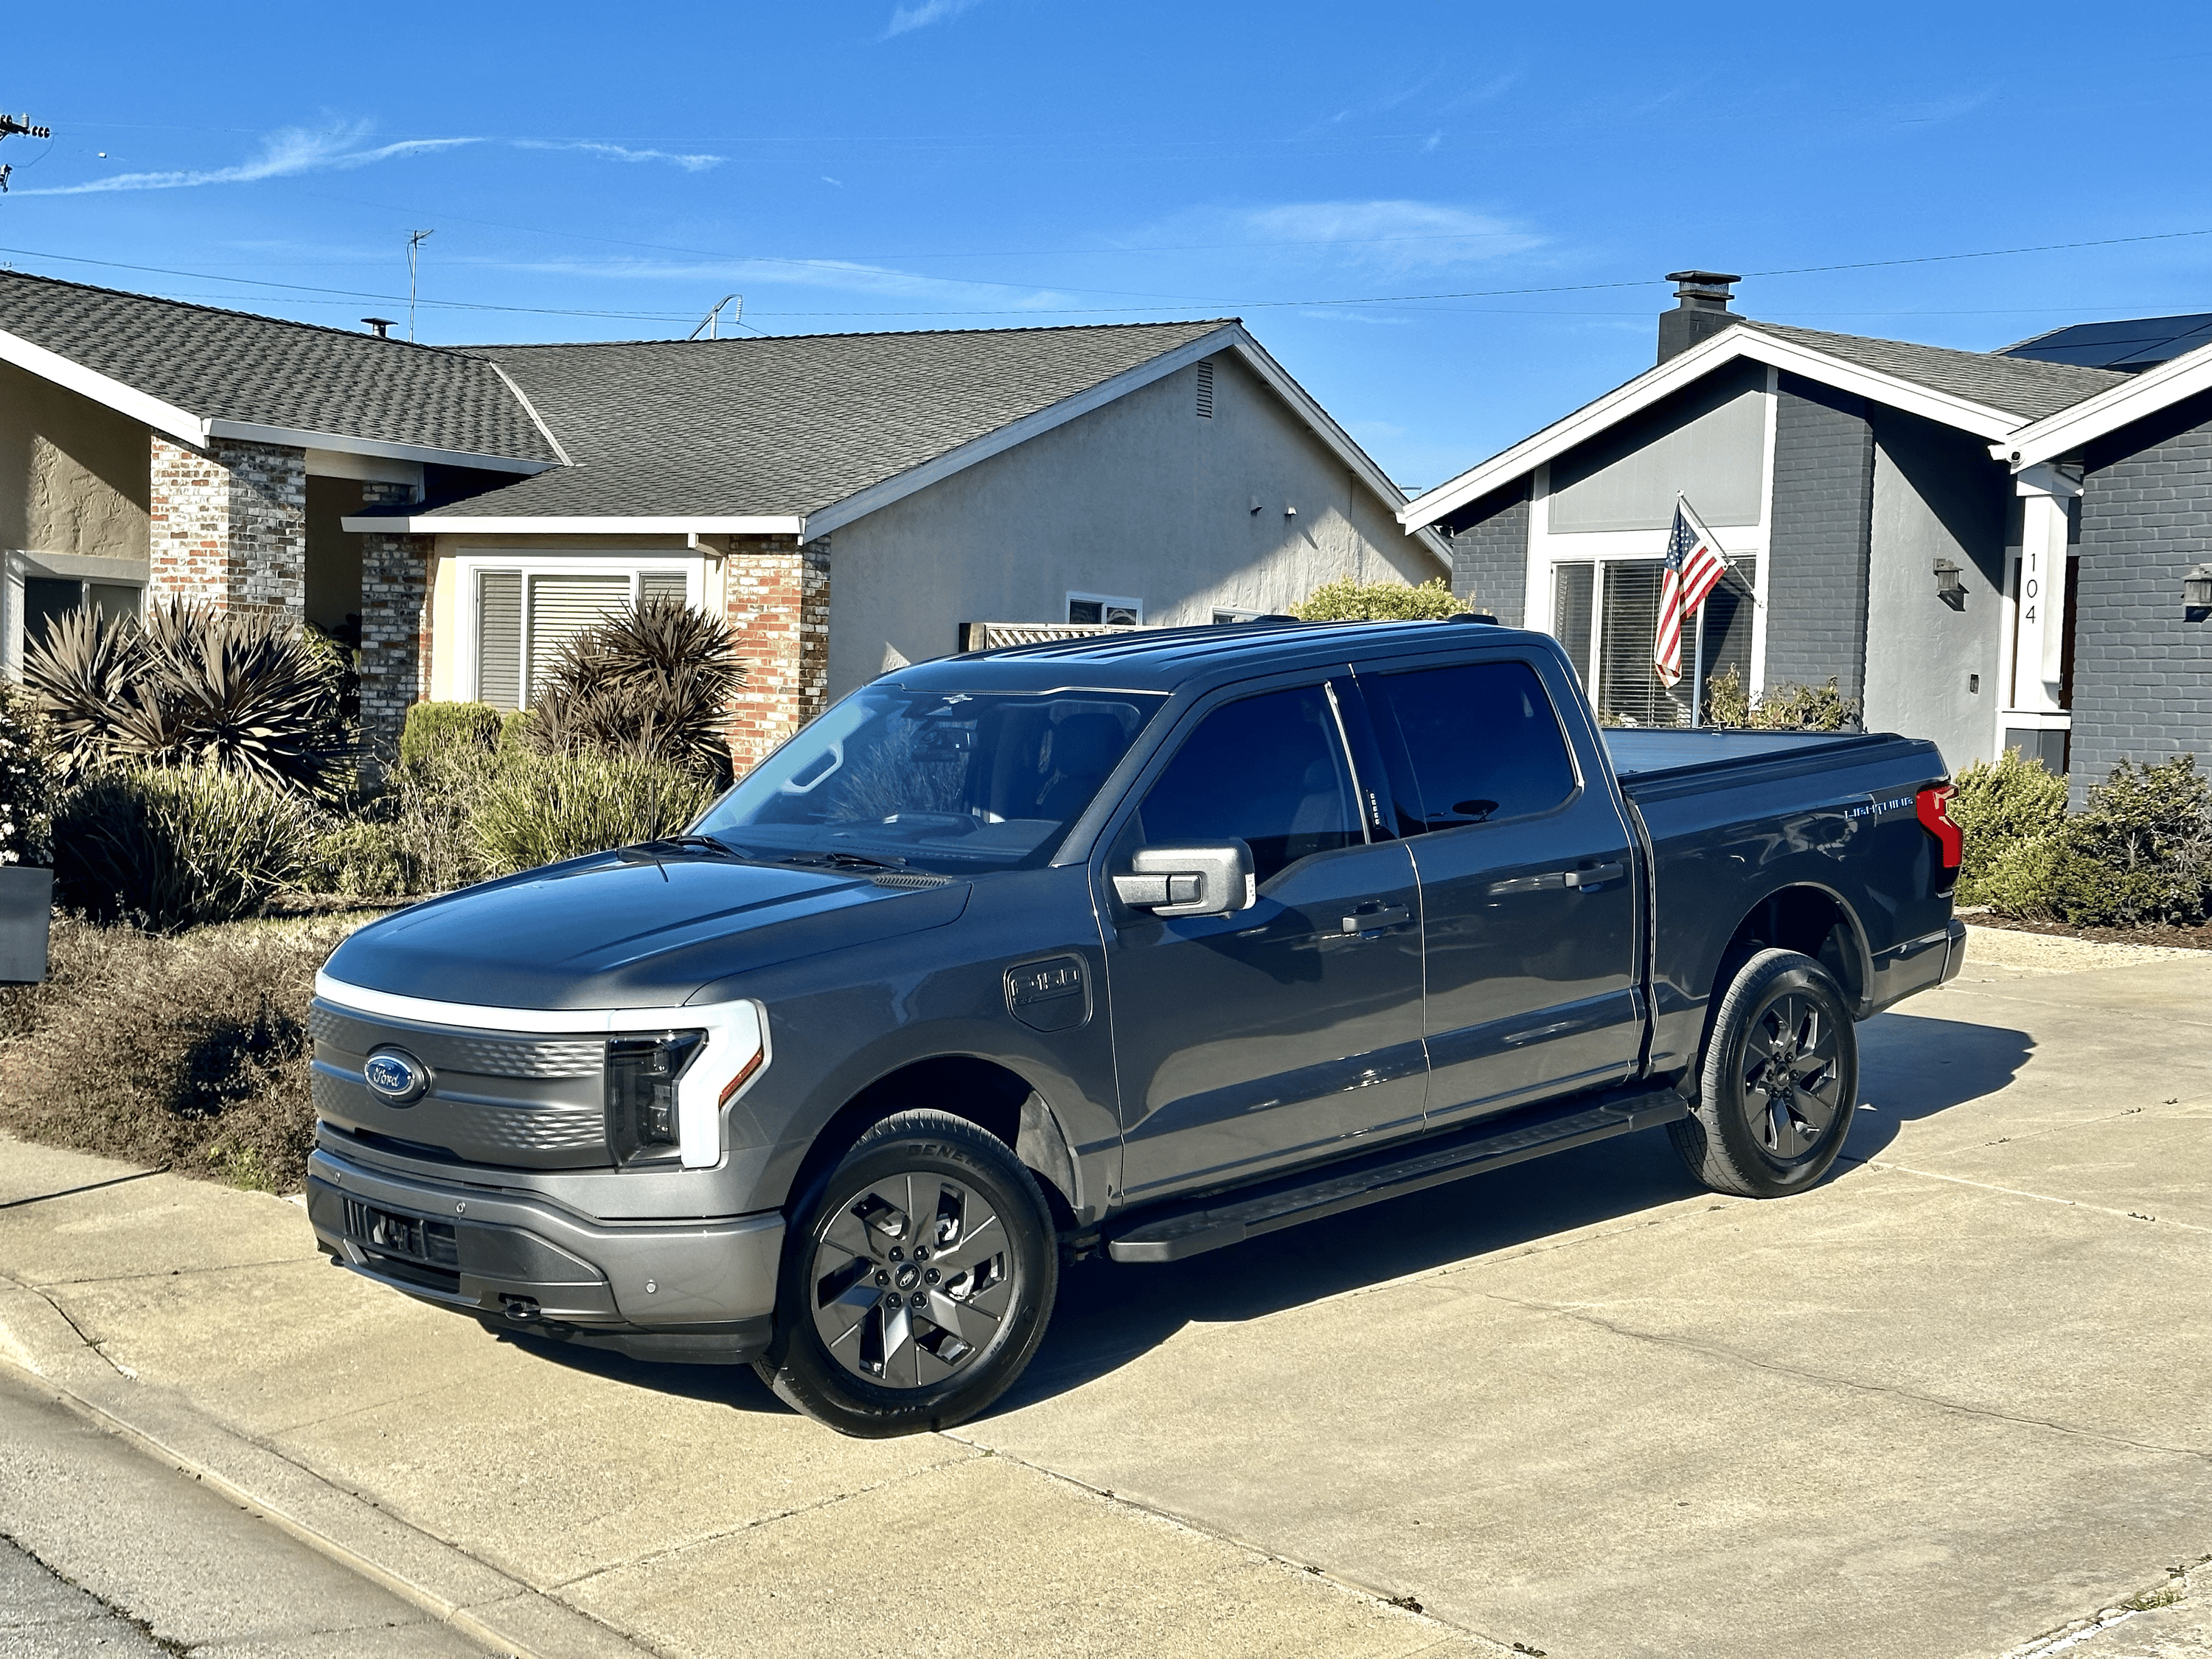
190 686
653 682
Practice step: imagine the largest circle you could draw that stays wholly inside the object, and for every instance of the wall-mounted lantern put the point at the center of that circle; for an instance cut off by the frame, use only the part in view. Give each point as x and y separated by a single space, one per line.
1950 584
2197 591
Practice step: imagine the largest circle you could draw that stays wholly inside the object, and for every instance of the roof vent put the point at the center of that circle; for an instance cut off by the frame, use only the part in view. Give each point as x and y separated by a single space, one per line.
1205 390
381 325
1701 309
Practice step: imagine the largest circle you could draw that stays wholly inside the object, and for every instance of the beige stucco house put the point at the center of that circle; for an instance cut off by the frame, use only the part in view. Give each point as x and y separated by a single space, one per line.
851 502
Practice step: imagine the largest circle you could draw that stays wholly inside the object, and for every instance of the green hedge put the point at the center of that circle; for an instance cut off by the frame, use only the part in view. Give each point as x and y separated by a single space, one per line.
172 847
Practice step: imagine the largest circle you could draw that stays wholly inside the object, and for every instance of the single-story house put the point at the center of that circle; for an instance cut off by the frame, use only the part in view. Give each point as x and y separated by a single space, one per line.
851 501
1993 549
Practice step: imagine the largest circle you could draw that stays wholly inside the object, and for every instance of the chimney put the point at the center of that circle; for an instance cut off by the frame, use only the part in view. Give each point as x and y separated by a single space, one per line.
1701 308
381 325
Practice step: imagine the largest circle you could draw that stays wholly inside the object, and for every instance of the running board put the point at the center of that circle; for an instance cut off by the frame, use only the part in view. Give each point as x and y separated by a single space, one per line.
1230 1217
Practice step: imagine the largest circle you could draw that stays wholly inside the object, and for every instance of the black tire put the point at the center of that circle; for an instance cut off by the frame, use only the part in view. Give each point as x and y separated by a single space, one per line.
872 1336
1780 1084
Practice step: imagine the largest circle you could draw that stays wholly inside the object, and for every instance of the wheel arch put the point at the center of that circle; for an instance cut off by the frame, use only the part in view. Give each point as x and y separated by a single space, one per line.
1807 917
987 1093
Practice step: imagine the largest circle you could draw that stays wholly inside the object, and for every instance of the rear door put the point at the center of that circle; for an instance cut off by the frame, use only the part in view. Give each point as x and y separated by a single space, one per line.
1277 1033
1527 880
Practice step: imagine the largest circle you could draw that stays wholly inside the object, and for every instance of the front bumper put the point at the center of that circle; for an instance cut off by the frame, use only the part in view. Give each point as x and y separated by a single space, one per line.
692 1289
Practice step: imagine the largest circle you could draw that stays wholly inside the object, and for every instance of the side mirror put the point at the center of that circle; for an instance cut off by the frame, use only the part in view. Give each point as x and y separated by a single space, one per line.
1189 881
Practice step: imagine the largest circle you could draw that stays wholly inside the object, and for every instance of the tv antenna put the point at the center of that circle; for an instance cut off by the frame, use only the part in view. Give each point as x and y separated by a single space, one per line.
711 324
10 125
415 241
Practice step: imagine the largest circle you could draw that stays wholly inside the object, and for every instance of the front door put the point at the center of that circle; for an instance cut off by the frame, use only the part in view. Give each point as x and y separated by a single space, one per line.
1281 1031
1528 888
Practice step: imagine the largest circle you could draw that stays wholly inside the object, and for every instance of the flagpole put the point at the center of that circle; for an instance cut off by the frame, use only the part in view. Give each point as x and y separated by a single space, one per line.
1698 671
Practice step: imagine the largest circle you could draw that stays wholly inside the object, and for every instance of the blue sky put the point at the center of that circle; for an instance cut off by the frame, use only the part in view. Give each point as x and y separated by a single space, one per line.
1447 220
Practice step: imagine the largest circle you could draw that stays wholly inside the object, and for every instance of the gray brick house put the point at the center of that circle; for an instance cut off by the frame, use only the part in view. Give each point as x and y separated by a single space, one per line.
1990 549
849 501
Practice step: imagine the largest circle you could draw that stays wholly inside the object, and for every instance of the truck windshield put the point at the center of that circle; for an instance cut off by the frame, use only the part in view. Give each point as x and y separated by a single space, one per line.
949 782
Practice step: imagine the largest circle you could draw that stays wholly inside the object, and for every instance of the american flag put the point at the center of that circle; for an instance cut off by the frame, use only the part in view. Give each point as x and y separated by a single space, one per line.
1693 568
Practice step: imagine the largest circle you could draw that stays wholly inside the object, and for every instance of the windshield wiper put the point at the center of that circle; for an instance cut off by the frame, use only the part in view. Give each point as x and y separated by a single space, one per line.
844 860
651 852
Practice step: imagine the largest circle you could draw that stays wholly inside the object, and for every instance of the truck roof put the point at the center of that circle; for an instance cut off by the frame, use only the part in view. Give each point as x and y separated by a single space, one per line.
1179 659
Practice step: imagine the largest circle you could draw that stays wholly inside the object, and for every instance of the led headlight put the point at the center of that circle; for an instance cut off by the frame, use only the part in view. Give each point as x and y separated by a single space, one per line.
642 1074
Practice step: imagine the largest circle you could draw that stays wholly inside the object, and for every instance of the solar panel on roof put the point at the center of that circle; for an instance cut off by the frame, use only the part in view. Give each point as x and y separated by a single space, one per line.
2130 345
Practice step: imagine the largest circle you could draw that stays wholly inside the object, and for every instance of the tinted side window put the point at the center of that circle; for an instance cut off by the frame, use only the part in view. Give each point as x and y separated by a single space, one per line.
1269 771
1483 739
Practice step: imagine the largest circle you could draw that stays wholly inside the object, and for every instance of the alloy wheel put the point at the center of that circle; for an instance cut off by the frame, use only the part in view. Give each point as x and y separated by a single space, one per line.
1792 1077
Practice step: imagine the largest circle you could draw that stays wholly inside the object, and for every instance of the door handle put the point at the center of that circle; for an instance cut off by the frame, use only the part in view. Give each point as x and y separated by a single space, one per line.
1603 872
1369 919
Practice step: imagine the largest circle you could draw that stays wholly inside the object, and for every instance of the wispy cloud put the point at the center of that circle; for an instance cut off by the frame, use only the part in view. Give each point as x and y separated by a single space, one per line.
1391 235
341 147
906 19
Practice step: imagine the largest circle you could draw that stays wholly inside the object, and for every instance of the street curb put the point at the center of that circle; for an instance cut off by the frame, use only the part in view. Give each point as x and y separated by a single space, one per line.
39 1344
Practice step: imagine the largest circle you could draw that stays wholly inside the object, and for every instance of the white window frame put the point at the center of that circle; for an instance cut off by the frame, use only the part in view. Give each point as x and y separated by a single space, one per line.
471 566
1549 548
1103 600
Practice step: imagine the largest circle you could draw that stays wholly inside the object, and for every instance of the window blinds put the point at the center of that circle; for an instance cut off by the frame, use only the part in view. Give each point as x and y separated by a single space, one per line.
1574 599
561 607
499 638
661 584
1628 688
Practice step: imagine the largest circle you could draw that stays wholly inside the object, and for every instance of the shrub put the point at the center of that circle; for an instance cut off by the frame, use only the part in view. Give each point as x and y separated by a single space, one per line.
191 687
441 728
1347 599
541 808
1997 806
2140 850
364 858
26 778
207 1071
175 847
1786 707
652 681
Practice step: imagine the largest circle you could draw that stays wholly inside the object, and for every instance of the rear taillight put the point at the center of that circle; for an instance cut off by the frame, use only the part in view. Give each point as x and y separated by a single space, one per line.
1933 806
643 1075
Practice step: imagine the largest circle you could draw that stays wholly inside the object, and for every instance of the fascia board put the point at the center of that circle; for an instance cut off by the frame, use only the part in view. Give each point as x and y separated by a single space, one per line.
1323 426
180 423
345 443
880 495
2059 435
1743 341
449 525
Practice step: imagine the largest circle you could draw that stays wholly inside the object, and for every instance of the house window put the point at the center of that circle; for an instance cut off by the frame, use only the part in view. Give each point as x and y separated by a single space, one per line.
46 598
524 616
1104 608
1605 613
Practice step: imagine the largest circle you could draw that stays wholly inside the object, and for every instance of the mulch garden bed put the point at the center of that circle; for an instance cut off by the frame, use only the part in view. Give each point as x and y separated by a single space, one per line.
2198 937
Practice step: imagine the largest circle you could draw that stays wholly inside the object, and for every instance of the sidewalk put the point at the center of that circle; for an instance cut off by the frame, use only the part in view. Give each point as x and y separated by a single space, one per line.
1954 1402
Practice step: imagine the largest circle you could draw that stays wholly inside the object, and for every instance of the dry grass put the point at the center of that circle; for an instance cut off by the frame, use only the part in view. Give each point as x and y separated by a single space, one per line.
188 1051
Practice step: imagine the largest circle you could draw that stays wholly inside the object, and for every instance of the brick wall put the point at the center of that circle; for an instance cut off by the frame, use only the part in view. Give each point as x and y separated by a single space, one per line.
1821 538
228 526
2142 668
1490 553
777 594
395 625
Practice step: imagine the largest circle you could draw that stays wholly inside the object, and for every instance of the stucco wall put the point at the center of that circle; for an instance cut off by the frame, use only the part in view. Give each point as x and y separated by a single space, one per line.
1142 499
1931 671
73 475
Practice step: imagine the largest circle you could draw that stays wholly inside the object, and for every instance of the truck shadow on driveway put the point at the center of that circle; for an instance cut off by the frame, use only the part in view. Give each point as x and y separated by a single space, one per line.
1109 1314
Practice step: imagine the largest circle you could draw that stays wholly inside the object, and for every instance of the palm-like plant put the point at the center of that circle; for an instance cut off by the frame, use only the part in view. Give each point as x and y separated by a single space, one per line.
81 670
654 682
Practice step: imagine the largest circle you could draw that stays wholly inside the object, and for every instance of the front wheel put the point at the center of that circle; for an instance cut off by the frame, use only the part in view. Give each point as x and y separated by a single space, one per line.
917 1280
1780 1081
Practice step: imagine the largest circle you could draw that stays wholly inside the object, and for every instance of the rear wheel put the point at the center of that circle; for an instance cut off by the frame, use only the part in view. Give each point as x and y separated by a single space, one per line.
917 1280
1780 1084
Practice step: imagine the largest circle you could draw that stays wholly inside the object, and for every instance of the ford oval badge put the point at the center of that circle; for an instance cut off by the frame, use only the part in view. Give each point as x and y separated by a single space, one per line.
396 1077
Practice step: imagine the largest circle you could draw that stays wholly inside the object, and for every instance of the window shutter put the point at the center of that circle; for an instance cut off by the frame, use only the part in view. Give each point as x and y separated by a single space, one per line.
499 638
561 607
661 584
1205 390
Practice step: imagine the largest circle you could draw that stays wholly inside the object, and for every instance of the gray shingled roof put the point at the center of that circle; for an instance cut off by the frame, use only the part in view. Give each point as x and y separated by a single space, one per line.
2017 385
233 366
786 425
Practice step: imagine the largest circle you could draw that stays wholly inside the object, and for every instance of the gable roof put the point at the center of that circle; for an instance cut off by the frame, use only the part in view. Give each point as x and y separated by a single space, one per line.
198 373
1989 395
799 434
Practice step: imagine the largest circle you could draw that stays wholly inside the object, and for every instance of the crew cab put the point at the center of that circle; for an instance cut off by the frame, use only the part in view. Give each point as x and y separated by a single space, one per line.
1141 944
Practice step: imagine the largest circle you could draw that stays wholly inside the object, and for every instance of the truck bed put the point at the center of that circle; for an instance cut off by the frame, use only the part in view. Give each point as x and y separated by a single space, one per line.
1648 753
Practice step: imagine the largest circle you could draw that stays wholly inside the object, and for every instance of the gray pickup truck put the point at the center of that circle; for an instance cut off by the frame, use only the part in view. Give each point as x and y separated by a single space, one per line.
1143 944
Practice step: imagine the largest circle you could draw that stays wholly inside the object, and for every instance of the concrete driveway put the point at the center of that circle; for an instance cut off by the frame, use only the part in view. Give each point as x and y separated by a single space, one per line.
1954 1402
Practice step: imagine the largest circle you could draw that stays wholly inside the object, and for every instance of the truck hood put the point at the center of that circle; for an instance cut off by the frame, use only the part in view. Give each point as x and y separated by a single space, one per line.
598 932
